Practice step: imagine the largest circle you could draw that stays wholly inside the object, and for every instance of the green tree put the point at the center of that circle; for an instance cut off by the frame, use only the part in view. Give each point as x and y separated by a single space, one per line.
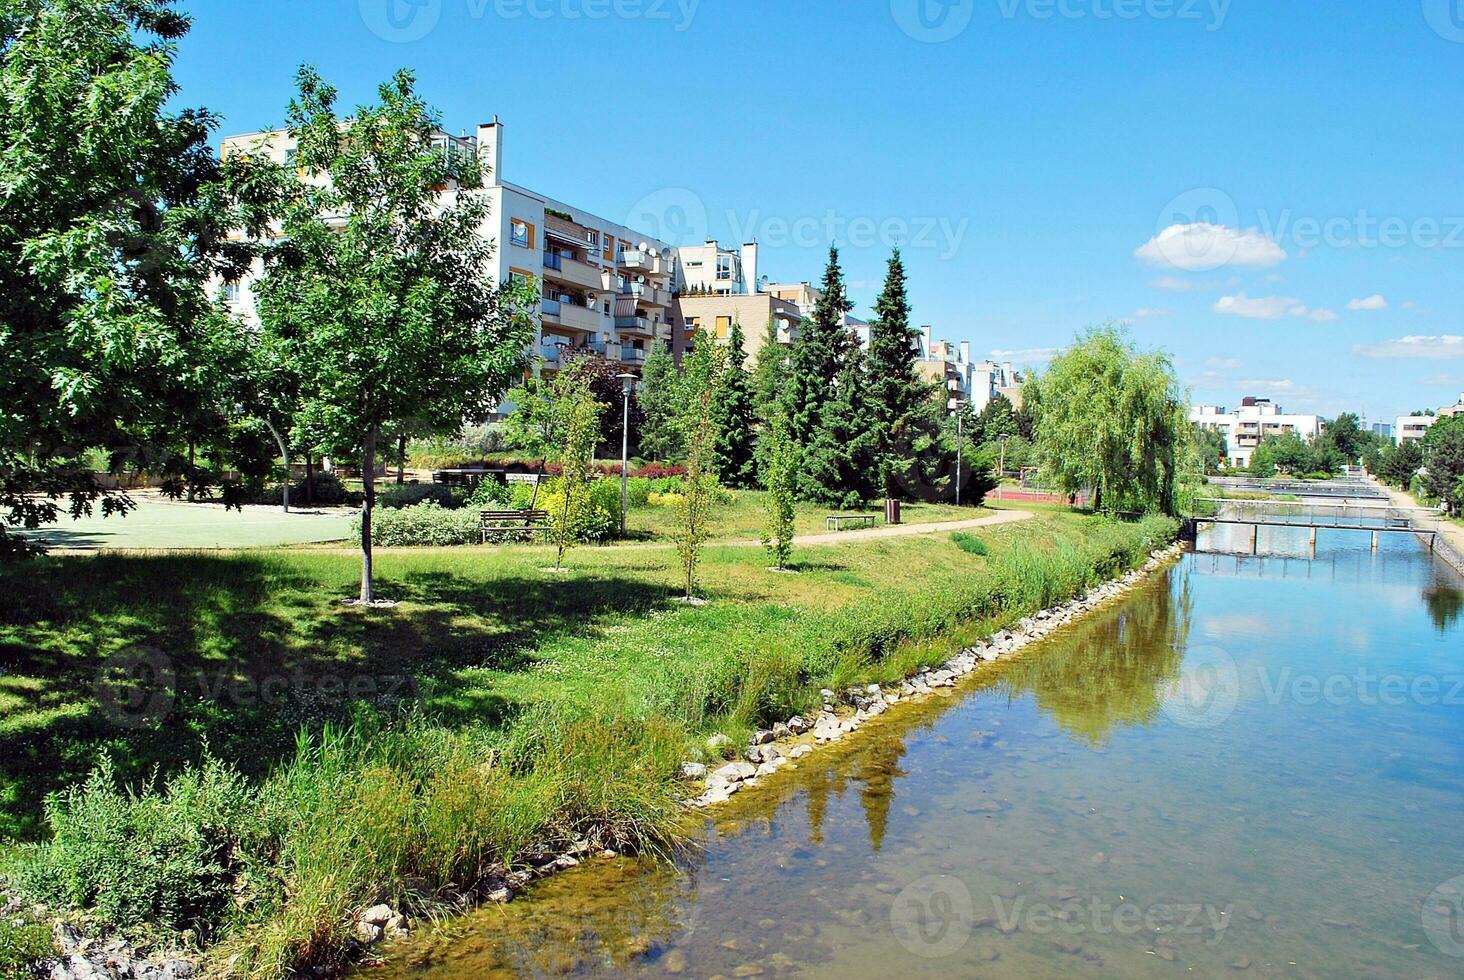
1347 435
110 228
997 419
770 373
1443 455
577 426
697 424
734 455
658 396
1401 463
378 287
1110 419
839 462
896 394
780 477
820 355
531 427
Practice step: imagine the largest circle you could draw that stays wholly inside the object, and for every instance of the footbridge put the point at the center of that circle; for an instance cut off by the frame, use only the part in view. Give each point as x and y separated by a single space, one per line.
1368 516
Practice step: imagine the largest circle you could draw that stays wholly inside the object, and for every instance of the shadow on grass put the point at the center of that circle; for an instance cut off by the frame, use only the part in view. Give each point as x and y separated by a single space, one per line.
152 658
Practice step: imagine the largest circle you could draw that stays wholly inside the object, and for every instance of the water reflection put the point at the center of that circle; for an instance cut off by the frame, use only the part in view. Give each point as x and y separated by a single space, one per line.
1445 602
1111 671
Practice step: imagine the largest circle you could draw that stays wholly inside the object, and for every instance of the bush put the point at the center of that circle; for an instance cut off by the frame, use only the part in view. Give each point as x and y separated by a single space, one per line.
597 515
421 525
490 495
169 857
328 491
411 494
21 946
969 543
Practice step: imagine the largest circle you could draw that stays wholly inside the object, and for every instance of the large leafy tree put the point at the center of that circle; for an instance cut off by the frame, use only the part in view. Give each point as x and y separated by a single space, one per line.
733 414
109 230
820 354
1443 455
897 395
1111 419
1401 463
379 287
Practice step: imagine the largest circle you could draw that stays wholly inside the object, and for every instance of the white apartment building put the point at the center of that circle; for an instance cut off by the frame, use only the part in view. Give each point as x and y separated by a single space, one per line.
1246 427
1412 428
604 287
711 270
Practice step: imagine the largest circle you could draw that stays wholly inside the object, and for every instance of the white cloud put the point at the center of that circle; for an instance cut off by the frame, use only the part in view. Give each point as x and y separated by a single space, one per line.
1202 246
1144 312
1374 302
1174 284
1028 355
1444 380
1416 345
1269 308
1222 363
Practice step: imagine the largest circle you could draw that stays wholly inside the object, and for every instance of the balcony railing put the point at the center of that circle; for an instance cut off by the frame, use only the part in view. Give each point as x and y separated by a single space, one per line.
551 307
553 260
636 323
630 355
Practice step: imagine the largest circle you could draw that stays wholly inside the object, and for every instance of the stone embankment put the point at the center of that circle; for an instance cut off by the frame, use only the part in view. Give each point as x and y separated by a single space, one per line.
780 746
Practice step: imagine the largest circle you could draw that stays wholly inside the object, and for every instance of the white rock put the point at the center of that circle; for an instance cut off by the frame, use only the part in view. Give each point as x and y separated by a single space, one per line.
734 772
693 770
378 915
799 751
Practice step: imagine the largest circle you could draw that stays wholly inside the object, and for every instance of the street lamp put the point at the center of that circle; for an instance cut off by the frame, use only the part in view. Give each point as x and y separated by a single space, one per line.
958 454
627 385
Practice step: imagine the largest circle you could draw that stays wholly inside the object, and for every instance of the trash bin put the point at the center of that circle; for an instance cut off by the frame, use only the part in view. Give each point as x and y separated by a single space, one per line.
892 511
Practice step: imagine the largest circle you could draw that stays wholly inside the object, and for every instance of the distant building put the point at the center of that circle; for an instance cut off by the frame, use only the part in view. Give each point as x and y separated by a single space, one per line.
1383 429
1412 428
1249 425
716 314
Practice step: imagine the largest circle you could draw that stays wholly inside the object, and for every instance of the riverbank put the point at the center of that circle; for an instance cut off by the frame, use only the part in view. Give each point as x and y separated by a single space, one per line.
1451 550
548 713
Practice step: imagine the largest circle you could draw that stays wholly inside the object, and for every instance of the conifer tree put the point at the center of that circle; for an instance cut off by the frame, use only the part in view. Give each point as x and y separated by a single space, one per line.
896 393
732 412
770 373
660 437
839 461
821 353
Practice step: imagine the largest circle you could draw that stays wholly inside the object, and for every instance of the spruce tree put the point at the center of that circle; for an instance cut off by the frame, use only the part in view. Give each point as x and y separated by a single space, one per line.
896 392
733 413
839 460
770 373
821 353
657 395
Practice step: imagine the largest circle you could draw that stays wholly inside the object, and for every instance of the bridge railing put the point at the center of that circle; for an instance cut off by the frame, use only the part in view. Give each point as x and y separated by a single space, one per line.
1312 513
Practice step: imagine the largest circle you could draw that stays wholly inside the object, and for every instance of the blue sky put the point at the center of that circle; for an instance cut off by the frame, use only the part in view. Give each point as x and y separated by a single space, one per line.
1269 190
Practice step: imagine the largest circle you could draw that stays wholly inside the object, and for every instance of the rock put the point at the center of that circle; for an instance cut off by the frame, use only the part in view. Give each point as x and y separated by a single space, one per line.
718 741
378 915
366 933
734 772
1243 963
693 770
674 961
762 737
797 725
175 969
872 689
799 751
499 895
565 862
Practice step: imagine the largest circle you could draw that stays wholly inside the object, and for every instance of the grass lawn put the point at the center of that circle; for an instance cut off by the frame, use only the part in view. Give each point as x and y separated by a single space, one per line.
589 687
745 518
160 523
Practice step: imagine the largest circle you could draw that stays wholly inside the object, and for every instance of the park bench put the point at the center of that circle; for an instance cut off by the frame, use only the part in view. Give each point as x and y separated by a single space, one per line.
837 522
499 523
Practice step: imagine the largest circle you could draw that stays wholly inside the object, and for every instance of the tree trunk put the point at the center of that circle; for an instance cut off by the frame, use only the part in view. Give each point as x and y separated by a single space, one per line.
368 480
401 458
190 471
309 479
285 453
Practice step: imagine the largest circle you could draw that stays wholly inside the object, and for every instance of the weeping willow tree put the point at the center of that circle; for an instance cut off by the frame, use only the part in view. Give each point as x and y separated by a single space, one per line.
1111 419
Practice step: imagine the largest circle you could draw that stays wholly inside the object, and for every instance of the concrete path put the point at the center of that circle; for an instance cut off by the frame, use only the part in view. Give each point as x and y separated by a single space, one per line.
1453 534
869 534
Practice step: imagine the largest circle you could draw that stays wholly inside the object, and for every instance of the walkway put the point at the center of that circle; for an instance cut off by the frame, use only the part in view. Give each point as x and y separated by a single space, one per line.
853 537
1452 533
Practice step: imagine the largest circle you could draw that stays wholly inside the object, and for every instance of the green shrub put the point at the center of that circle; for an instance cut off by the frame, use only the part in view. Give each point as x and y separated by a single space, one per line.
327 491
969 543
410 494
421 525
21 945
597 515
168 857
490 495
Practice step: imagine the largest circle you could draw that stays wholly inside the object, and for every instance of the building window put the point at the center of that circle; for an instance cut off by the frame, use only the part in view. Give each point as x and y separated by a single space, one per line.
521 233
724 326
231 291
724 267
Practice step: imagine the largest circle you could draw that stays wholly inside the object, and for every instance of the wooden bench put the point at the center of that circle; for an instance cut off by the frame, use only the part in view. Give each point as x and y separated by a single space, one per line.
836 522
497 523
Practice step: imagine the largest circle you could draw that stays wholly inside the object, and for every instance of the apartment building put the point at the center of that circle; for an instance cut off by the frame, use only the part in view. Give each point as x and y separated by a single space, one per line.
711 270
1413 428
604 287
943 363
805 296
1250 424
715 314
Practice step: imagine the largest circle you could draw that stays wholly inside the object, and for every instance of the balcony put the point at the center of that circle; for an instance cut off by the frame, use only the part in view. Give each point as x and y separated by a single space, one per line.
629 355
634 260
609 351
570 315
565 269
647 294
634 324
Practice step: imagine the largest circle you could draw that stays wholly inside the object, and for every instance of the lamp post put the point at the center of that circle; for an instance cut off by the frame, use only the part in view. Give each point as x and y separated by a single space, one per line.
627 385
959 440
1001 467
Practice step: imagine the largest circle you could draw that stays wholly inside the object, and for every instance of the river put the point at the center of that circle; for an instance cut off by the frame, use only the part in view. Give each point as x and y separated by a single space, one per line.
1252 766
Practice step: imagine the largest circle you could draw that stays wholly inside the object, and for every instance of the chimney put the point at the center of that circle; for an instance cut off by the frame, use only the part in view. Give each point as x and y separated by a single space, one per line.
929 334
490 151
749 267
965 352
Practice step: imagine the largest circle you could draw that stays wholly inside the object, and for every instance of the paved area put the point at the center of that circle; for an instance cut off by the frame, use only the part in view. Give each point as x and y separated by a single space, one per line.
157 523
